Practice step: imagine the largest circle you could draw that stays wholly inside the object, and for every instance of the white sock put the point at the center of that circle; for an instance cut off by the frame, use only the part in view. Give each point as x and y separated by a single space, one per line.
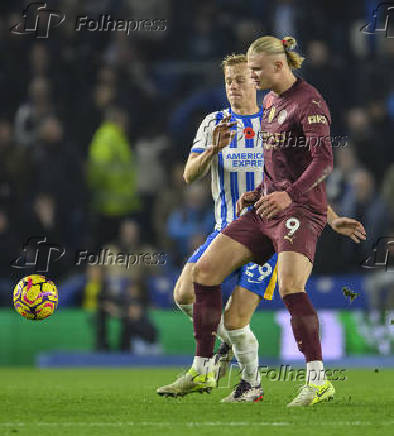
187 309
246 350
203 365
315 372
223 333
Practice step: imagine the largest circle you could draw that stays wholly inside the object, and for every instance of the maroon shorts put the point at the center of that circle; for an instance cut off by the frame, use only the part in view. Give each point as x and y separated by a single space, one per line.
296 229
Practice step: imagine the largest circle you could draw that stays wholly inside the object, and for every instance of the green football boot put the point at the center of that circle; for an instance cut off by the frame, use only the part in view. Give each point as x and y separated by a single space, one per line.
189 383
311 394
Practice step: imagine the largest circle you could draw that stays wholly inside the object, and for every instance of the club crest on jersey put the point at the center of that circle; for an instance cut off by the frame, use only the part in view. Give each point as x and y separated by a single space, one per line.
282 116
271 114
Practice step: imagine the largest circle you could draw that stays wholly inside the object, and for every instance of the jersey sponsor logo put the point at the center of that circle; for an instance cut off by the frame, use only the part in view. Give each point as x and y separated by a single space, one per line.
317 119
243 159
282 116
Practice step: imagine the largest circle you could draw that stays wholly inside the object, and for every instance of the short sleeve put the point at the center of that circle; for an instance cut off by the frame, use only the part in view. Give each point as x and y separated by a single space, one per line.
203 138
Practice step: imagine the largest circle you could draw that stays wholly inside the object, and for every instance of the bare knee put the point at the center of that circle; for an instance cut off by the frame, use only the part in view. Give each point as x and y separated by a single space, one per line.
183 291
205 273
235 322
183 295
290 283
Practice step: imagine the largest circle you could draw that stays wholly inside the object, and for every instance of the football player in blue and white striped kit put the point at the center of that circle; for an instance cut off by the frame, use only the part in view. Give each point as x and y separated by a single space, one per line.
229 144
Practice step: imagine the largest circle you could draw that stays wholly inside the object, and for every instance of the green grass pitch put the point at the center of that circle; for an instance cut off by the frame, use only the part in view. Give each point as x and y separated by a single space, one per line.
124 402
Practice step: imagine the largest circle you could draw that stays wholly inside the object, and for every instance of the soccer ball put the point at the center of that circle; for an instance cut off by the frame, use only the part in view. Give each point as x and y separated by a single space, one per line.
35 297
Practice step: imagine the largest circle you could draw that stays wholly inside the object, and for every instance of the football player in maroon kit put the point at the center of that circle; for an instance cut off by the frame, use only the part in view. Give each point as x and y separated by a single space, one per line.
289 210
235 331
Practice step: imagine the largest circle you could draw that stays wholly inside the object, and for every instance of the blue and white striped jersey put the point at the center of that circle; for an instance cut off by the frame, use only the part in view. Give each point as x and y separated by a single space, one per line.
237 168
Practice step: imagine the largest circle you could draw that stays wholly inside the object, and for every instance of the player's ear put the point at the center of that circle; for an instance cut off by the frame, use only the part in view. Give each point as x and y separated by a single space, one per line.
278 66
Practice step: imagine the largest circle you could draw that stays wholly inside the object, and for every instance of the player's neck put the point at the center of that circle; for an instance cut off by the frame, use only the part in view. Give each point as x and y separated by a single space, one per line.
285 83
247 109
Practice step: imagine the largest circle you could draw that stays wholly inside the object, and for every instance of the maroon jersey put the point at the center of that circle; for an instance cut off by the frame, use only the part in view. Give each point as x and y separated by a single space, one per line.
297 145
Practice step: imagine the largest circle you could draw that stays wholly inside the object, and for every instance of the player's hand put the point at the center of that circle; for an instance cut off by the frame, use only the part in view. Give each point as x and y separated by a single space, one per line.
222 135
245 200
349 227
270 205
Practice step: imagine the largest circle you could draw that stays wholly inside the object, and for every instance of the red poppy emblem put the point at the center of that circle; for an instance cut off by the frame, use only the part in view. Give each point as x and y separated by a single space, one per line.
249 133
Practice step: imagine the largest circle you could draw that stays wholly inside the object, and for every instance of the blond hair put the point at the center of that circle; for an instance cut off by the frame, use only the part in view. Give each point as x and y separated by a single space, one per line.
234 59
272 45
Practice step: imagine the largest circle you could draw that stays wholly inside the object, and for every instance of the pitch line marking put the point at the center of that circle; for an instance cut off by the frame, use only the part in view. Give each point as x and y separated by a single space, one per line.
194 424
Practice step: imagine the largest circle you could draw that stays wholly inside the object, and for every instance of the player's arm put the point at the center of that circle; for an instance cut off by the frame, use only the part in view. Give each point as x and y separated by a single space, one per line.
200 159
346 226
315 122
197 165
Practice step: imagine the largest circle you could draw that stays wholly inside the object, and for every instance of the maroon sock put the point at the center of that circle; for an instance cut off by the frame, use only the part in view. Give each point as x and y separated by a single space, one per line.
207 311
305 324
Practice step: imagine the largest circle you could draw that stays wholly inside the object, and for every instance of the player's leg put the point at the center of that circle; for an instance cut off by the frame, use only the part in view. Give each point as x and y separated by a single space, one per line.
183 291
296 239
236 245
256 282
238 313
222 257
239 243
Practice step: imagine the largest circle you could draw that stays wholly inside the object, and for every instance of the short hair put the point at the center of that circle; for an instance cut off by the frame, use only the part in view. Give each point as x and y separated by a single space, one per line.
234 59
272 45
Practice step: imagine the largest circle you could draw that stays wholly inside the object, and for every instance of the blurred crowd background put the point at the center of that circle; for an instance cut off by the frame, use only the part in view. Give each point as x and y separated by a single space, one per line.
95 128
